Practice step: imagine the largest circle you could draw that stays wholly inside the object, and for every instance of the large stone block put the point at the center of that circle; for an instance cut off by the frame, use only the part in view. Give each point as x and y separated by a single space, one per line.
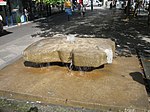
90 52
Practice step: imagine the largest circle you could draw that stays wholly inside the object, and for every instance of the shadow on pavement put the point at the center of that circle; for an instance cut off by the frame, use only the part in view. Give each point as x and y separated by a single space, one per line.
5 33
111 24
137 76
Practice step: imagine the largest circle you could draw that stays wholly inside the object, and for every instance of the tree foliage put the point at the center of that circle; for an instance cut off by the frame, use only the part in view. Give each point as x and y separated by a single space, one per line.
50 1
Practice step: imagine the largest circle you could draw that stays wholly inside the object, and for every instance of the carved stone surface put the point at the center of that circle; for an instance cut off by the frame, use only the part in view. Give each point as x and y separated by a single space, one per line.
90 52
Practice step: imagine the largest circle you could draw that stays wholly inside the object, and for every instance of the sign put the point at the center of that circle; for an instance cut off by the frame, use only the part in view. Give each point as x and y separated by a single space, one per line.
2 2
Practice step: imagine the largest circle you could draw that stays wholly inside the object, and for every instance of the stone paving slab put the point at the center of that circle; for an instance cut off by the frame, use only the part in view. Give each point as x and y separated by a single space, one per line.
12 51
117 86
145 61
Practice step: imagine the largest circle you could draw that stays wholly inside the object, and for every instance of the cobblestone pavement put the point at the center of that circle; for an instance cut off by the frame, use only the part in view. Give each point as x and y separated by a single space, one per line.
9 105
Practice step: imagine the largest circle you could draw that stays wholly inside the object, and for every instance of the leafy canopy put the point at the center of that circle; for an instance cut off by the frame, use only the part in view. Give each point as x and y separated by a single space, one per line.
50 1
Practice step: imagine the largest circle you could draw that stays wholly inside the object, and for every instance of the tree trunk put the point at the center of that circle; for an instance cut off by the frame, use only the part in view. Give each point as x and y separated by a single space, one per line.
40 9
128 9
50 10
149 14
91 5
47 10
31 11
62 6
10 13
6 15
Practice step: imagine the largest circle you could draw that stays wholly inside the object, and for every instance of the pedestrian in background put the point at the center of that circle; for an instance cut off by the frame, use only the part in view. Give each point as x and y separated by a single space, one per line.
111 5
68 9
1 24
106 3
83 10
79 7
26 14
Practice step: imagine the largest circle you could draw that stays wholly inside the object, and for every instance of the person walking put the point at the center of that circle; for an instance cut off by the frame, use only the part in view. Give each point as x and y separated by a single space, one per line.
111 5
26 15
68 9
83 10
106 3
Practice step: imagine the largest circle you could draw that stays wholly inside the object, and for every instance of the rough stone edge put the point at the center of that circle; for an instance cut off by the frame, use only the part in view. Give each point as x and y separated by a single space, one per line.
67 102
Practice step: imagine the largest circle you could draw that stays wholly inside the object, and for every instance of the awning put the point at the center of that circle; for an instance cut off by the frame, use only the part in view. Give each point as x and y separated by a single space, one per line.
2 2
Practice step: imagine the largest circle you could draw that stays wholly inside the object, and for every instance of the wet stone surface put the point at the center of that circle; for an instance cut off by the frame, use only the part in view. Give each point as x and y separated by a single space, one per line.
109 87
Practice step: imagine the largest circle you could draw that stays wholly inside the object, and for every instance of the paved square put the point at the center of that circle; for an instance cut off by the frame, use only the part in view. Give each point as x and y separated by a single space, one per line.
116 86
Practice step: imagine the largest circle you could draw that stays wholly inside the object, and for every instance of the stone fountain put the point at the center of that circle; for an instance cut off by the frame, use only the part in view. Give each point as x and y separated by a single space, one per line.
110 88
84 52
